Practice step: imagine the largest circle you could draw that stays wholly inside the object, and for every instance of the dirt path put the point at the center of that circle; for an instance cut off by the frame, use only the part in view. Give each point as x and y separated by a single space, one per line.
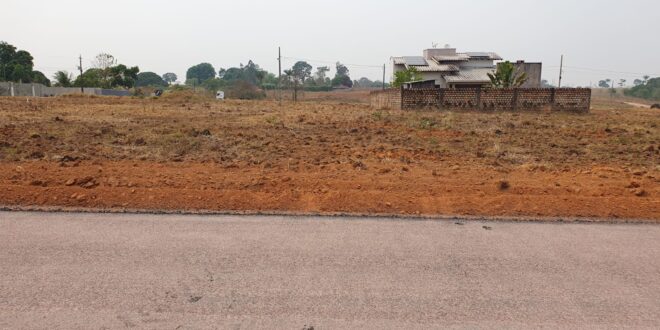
77 270
638 105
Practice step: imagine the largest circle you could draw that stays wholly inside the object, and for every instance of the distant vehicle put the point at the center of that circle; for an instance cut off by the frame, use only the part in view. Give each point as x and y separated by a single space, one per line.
656 106
220 95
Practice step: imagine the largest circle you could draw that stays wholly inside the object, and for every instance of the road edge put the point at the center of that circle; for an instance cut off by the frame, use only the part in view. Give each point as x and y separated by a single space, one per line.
412 217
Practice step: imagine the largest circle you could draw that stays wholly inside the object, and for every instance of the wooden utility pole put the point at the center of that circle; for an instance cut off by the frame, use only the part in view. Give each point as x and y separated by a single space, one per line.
279 74
561 69
82 89
383 76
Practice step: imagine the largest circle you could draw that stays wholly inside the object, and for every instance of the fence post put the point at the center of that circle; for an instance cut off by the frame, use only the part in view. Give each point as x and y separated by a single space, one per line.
479 98
552 99
11 88
439 100
514 106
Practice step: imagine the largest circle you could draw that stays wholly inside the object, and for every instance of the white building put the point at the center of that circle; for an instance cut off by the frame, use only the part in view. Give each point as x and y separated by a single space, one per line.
445 68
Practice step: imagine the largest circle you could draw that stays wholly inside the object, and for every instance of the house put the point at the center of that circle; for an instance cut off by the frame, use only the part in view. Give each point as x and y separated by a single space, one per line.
446 68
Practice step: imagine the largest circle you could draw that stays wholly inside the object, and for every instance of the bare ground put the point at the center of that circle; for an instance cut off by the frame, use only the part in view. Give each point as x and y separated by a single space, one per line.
188 152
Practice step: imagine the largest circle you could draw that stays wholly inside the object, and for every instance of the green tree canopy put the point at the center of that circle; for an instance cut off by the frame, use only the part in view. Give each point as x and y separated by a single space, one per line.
40 78
150 79
505 76
63 79
649 90
201 72
302 70
408 75
170 77
18 66
342 77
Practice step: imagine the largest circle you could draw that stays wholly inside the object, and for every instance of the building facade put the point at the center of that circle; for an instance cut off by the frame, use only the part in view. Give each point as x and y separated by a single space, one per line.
447 68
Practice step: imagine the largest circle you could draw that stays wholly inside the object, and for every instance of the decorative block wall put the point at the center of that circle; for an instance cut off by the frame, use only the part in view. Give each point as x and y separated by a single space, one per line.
511 99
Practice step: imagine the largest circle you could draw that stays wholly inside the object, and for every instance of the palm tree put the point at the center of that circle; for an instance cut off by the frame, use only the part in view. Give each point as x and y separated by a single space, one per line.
63 79
506 76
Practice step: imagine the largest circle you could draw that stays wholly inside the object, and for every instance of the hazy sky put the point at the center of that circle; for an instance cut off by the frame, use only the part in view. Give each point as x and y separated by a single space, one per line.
599 38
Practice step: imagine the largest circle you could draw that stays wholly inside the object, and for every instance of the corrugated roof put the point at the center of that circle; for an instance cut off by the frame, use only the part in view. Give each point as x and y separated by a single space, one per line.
434 67
398 60
470 76
451 58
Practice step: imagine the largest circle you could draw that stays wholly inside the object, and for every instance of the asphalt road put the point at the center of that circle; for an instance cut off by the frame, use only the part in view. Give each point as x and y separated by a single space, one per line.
68 271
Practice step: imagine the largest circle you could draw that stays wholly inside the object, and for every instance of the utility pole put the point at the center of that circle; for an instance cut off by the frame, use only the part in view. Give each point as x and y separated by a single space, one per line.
279 74
383 76
561 69
82 89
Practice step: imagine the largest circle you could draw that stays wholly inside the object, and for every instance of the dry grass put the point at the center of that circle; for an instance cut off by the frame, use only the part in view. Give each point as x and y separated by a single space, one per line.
189 127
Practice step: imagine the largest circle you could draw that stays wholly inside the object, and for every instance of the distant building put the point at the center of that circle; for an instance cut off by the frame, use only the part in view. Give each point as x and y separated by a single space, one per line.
446 68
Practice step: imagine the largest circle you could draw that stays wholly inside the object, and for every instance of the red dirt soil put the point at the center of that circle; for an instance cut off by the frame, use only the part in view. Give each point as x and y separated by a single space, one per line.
190 153
606 193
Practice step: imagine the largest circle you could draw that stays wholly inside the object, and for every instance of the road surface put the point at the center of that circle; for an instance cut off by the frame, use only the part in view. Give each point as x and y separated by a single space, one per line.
67 271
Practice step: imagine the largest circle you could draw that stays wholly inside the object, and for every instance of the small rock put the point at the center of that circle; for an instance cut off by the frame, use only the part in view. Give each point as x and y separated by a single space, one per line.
388 204
639 192
70 182
504 185
634 185
487 227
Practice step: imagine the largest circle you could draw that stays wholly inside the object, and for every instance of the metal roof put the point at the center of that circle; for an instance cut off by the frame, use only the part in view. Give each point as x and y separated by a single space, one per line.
470 76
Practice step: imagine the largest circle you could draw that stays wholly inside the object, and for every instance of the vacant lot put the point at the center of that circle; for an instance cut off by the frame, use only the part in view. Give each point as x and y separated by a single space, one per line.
188 152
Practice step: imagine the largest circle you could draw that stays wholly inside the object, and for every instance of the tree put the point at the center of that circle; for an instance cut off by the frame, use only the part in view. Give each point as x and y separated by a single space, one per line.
123 76
650 90
40 78
90 78
253 74
320 75
170 78
63 79
18 66
103 62
505 76
638 82
622 82
201 72
149 79
302 70
408 75
604 83
646 78
342 77
112 77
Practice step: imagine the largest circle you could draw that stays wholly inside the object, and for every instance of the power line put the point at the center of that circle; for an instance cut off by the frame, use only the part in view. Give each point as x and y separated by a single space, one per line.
604 71
332 62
